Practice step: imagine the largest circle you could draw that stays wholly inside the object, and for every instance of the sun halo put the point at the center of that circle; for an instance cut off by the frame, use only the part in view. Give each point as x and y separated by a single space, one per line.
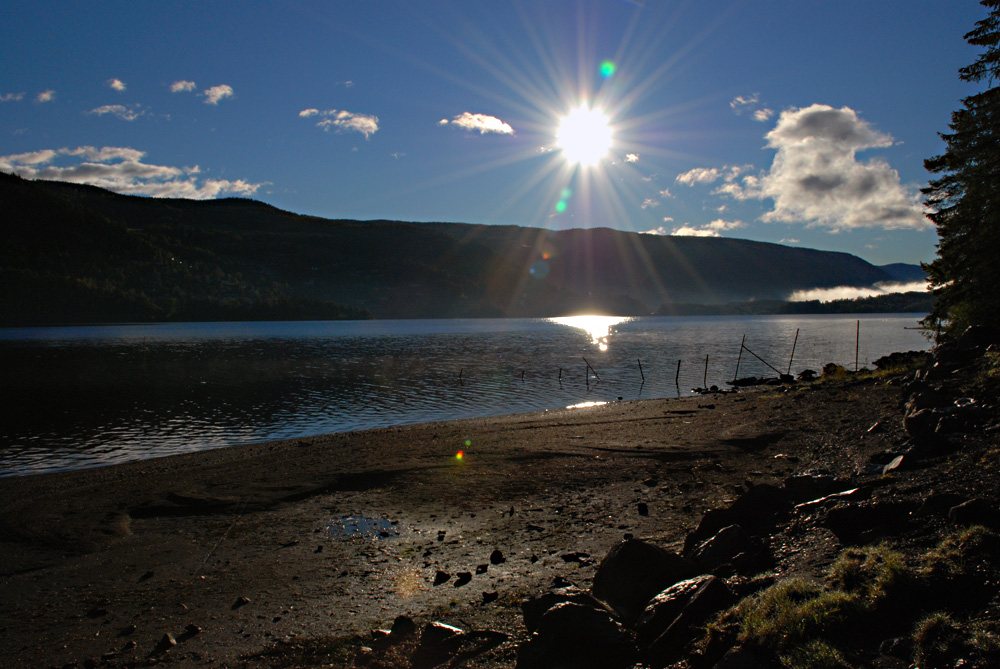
584 136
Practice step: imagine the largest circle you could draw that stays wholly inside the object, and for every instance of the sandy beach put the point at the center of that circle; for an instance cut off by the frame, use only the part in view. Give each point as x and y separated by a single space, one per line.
259 555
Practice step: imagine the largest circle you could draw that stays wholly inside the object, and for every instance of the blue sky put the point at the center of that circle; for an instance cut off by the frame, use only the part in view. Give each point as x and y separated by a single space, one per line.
791 121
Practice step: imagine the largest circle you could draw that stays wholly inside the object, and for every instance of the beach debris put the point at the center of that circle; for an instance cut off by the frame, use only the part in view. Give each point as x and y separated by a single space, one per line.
463 578
441 577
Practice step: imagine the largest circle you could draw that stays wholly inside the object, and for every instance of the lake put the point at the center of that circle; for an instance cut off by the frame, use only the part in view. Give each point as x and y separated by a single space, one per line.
88 396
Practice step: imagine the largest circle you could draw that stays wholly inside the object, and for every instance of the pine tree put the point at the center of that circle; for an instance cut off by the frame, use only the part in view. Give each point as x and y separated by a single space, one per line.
964 201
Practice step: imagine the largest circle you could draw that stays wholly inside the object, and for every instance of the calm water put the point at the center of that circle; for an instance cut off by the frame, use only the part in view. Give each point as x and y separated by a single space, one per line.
78 397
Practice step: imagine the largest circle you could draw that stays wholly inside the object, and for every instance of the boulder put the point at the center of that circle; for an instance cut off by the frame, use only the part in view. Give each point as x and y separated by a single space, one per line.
711 597
533 609
573 635
862 523
813 485
633 572
975 512
723 547
663 609
922 424
755 510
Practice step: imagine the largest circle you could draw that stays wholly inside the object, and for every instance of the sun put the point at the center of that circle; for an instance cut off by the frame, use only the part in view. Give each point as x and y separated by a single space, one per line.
585 136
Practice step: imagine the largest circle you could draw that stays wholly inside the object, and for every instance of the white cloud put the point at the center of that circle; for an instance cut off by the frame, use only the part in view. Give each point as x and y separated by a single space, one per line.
852 292
339 120
182 86
481 122
46 96
117 84
125 113
689 231
668 219
120 169
719 225
666 193
656 231
789 240
216 93
713 229
763 115
817 179
699 175
649 203
11 97
631 157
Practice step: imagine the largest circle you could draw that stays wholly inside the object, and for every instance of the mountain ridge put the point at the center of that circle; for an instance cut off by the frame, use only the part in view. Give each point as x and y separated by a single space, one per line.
74 252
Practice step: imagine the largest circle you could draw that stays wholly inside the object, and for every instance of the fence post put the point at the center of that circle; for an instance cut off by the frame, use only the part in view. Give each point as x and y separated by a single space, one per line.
704 381
677 377
740 358
796 341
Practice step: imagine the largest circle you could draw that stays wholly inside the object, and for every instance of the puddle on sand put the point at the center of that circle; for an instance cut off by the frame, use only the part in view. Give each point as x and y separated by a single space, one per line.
360 527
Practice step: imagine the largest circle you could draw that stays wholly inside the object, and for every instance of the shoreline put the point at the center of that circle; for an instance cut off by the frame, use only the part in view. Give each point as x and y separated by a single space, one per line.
242 543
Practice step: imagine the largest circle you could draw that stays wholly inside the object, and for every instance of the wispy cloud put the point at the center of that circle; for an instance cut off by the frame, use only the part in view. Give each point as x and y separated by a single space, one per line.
216 93
182 86
117 84
649 203
666 193
46 96
482 123
751 103
853 292
120 169
11 97
817 179
125 113
341 120
690 231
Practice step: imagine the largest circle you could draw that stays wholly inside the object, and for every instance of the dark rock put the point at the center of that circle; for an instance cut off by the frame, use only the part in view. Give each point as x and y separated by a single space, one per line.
572 635
710 598
755 510
166 642
463 578
723 547
490 597
809 485
403 627
922 424
242 601
582 558
533 609
431 651
664 608
643 509
854 523
975 512
496 557
97 612
633 572
441 577
807 375
940 503
482 568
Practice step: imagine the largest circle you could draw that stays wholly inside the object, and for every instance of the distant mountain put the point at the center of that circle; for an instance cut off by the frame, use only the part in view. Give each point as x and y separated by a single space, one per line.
71 253
904 273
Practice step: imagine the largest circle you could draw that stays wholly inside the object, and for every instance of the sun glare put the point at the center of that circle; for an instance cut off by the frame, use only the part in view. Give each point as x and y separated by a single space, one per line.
584 135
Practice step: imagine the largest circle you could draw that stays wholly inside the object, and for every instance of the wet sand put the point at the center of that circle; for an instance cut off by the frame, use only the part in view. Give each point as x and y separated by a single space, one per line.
238 550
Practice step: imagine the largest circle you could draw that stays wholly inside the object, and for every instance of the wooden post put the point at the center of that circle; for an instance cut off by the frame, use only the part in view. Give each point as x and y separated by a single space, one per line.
737 374
522 376
857 345
460 381
640 370
677 377
704 381
796 341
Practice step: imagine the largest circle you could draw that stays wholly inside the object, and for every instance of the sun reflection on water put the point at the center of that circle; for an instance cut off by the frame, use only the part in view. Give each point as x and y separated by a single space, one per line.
598 327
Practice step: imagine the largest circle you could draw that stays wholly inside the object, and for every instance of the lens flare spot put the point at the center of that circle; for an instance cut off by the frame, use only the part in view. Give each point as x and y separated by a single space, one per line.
460 455
607 69
560 206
